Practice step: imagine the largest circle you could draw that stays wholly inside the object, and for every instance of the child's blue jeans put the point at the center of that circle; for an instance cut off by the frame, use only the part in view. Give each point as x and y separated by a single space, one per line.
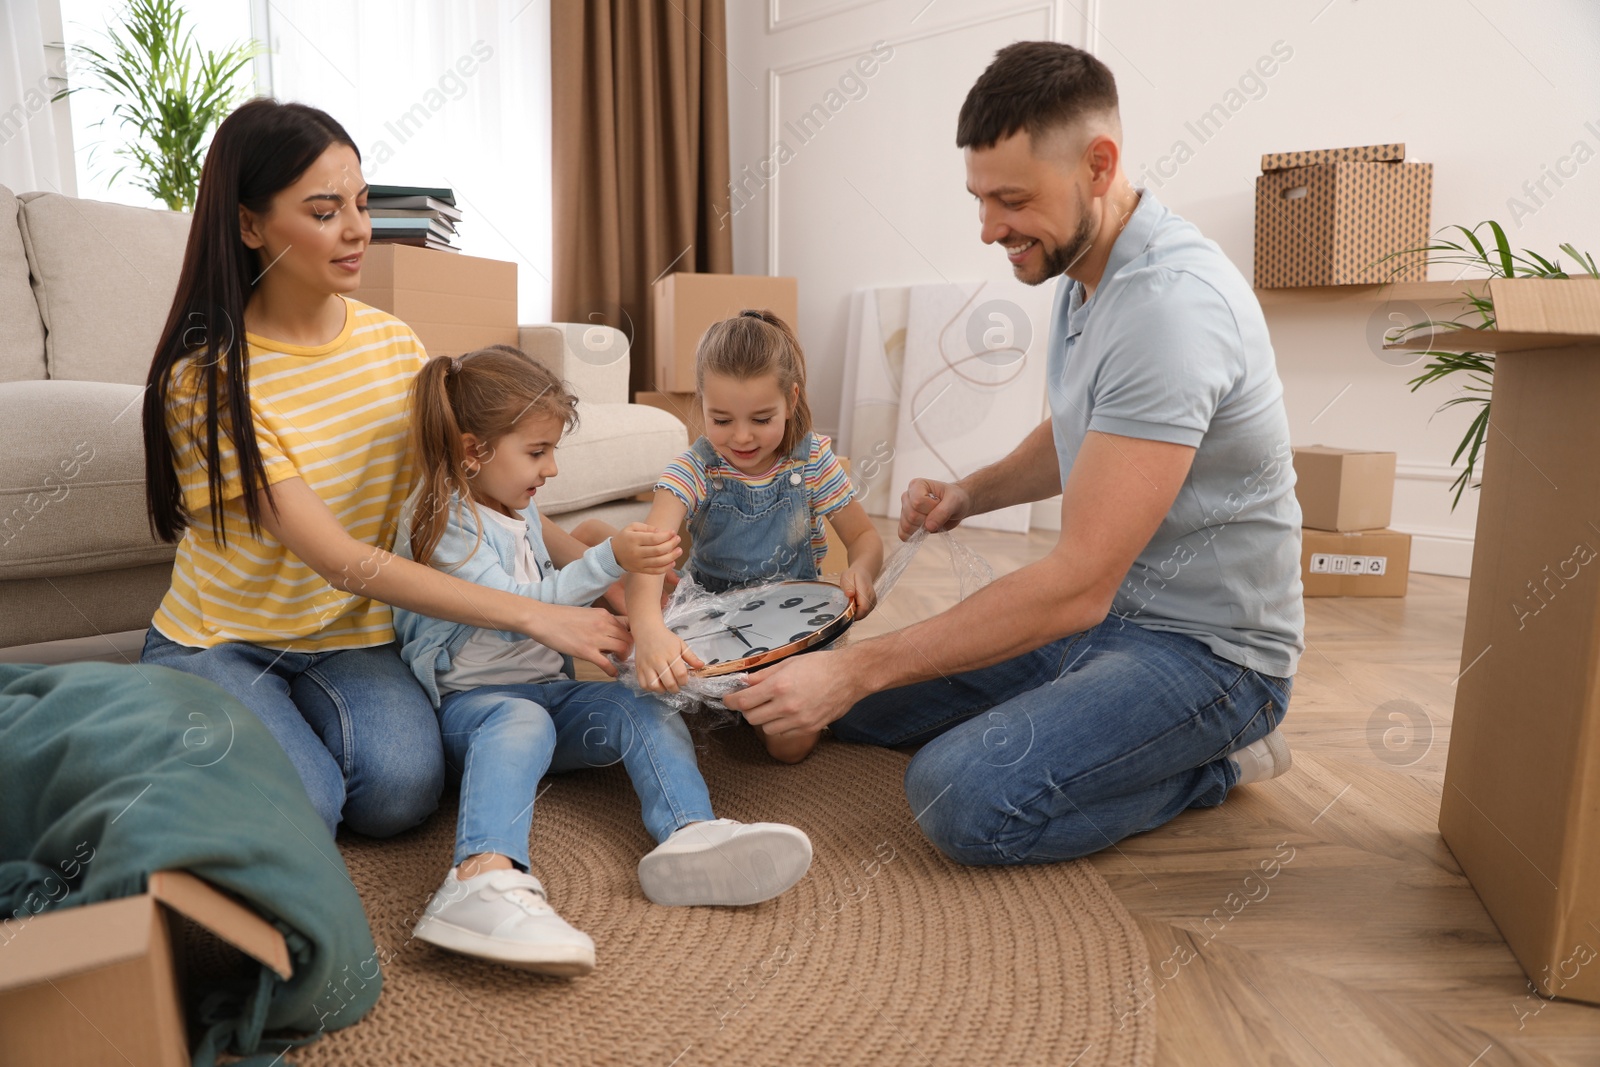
504 738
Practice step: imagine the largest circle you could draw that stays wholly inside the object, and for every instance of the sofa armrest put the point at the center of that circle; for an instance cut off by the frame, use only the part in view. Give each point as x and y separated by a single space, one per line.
592 360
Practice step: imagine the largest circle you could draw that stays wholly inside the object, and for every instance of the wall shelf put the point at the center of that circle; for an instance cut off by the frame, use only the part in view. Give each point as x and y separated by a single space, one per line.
1424 293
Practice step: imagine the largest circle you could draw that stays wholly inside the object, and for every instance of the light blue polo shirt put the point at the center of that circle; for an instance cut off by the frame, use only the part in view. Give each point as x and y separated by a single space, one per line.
1173 347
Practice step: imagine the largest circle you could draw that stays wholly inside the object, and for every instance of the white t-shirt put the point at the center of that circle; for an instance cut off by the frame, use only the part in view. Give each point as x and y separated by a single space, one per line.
489 659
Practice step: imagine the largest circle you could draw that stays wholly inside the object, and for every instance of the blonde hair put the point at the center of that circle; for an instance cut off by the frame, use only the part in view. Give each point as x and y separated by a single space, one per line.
486 393
751 344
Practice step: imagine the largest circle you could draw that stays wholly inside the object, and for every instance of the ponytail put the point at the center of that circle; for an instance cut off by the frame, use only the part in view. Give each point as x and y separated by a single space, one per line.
484 393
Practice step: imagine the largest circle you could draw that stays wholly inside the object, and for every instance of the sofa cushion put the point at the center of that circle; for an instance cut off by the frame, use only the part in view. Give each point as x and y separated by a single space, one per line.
72 480
104 276
617 450
22 338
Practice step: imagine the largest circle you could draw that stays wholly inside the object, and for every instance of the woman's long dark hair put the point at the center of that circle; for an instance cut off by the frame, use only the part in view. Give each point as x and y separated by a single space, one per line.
260 149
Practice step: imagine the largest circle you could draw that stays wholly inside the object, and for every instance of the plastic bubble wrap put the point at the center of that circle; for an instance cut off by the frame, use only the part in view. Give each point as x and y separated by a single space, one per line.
972 573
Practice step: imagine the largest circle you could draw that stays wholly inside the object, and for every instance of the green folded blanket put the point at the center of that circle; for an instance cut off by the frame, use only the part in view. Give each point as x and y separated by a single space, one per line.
147 769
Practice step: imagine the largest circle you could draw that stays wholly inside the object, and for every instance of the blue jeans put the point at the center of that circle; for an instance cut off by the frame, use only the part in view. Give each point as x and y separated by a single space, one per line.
503 738
1070 748
356 724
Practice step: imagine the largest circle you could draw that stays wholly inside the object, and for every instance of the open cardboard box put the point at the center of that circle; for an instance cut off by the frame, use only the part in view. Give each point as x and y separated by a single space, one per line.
1521 804
100 984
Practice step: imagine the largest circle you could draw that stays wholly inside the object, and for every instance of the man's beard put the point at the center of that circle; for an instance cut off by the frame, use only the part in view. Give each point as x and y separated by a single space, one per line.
1058 260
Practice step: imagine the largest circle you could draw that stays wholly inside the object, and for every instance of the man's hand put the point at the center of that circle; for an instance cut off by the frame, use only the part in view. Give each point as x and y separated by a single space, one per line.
642 549
934 506
800 695
663 661
586 633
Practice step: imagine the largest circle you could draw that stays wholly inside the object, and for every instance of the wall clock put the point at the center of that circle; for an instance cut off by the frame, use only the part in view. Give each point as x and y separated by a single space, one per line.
743 629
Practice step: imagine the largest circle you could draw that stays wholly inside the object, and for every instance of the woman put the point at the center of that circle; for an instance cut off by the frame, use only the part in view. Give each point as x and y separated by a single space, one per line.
275 430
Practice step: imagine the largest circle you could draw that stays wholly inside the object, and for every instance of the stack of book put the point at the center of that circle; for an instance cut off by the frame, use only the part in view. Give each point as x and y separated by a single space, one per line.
413 215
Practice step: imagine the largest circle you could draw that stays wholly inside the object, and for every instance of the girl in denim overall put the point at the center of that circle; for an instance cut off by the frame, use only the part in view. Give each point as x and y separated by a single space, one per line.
755 491
485 430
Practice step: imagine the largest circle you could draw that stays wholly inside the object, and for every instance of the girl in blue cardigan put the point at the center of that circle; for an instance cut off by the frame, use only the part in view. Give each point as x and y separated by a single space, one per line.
484 433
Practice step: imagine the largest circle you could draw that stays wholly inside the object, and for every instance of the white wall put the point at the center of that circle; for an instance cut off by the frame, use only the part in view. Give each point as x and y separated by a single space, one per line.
1489 91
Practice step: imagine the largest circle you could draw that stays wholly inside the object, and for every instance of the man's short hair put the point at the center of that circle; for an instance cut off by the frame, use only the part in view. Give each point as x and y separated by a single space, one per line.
1038 86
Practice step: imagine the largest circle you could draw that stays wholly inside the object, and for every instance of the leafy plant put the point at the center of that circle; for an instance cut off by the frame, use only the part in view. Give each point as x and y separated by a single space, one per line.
1495 259
168 90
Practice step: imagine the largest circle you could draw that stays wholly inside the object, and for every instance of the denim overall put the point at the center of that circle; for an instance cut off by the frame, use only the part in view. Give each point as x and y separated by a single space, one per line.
743 535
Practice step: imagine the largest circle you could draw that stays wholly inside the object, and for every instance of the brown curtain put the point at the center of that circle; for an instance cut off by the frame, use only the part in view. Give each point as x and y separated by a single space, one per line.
640 146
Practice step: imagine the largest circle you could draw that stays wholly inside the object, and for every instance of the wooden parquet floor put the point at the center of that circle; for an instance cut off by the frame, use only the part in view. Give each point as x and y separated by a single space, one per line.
1367 945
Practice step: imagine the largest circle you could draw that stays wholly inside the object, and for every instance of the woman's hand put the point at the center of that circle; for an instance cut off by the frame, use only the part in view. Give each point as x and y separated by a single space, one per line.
857 583
583 633
642 549
663 661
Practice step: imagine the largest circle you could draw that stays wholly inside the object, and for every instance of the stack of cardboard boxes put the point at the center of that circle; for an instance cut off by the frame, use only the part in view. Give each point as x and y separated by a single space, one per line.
1345 499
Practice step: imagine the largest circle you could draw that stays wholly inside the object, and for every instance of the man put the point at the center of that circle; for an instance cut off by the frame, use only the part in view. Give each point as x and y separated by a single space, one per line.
1143 666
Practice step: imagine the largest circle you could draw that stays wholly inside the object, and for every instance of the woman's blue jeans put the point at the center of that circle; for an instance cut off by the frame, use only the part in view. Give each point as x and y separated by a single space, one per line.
1072 747
503 738
355 724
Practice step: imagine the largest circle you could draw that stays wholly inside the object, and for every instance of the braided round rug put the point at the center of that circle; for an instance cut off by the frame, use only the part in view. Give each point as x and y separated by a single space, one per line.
886 953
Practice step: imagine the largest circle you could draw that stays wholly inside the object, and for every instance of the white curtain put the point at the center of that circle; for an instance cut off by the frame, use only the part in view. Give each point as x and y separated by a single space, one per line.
31 147
439 94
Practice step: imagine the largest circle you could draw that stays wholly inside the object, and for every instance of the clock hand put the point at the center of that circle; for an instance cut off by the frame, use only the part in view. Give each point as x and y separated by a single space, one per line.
740 636
720 630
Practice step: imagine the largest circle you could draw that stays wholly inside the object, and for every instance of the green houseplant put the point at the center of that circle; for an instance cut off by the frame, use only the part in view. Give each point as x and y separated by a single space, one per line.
169 91
1492 258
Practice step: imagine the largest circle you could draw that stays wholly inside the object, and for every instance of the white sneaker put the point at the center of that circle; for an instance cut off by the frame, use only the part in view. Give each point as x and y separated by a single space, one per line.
505 916
1260 760
725 862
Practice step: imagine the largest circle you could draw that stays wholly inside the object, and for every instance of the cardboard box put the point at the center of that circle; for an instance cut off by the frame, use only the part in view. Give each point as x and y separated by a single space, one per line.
1343 488
455 303
1330 217
99 984
1521 803
1365 563
683 305
686 406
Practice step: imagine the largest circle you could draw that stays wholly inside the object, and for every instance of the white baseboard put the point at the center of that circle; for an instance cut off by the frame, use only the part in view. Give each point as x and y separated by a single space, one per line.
1440 551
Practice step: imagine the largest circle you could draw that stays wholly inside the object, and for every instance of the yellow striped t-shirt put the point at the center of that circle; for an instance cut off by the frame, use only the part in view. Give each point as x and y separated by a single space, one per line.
334 415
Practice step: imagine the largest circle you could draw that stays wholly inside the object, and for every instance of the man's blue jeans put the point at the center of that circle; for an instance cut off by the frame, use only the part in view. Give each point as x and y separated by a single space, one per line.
355 724
504 738
1074 746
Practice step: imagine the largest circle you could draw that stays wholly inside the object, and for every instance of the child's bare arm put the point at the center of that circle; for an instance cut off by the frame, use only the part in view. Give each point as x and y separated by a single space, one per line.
864 548
661 658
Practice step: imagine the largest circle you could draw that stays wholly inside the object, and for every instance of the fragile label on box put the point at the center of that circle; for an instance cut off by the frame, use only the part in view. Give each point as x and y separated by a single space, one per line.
1332 563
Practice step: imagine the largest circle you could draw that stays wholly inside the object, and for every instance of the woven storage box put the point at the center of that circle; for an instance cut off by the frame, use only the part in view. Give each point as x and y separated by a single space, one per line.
1331 216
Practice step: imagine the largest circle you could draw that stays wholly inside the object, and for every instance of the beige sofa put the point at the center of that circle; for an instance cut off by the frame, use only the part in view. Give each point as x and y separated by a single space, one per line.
85 288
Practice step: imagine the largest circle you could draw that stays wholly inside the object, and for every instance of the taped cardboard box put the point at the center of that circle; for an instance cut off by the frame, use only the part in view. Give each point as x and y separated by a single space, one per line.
1343 488
1521 802
683 305
1362 563
455 303
100 984
1331 216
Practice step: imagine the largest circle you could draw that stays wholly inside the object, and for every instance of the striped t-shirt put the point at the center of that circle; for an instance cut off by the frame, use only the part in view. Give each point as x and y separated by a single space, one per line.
334 415
685 478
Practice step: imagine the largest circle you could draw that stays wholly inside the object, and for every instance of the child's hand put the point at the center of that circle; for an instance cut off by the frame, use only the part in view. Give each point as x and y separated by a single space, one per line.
858 584
662 660
644 549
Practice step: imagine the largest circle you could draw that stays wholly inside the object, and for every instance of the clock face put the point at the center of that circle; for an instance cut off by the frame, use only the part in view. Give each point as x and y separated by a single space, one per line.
747 628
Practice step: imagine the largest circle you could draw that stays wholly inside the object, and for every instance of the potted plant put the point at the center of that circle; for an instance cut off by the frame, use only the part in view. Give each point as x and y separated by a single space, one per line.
168 90
1493 259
